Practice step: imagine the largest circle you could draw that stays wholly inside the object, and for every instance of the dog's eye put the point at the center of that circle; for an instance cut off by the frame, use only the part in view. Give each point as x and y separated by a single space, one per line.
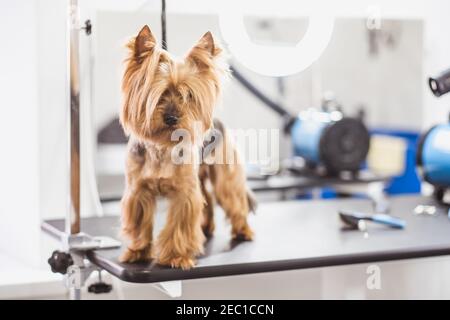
165 94
190 96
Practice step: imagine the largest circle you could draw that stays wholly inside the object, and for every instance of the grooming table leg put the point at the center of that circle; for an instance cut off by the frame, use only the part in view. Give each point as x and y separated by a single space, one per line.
74 282
75 294
172 288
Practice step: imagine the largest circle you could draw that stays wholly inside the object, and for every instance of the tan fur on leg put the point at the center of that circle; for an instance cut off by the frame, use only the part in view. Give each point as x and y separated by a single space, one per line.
208 225
138 206
234 200
230 188
182 238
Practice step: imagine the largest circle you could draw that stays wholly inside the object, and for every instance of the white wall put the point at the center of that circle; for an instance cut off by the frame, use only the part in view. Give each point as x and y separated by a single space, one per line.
19 131
53 115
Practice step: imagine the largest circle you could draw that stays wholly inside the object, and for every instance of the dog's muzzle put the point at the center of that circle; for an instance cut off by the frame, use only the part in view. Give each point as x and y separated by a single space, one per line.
170 119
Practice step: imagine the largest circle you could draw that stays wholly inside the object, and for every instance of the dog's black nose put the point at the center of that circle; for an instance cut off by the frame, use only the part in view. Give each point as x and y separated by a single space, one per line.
170 119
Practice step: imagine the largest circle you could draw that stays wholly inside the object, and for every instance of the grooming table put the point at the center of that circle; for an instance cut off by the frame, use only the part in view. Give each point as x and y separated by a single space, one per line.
289 235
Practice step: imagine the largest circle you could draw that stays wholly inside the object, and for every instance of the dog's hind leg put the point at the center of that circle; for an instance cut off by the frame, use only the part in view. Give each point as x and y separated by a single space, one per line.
229 182
233 196
138 207
208 209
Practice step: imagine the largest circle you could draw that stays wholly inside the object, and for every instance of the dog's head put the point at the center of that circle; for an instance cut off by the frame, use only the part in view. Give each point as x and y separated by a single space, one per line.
162 94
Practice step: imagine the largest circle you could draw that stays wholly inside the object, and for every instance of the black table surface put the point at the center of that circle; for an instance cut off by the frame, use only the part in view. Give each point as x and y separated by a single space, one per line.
288 235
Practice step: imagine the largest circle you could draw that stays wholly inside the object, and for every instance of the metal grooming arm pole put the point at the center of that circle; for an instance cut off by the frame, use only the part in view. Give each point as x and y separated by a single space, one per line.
71 261
73 75
76 239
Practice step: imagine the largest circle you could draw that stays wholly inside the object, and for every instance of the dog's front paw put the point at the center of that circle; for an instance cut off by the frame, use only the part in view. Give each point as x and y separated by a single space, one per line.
244 234
184 263
131 256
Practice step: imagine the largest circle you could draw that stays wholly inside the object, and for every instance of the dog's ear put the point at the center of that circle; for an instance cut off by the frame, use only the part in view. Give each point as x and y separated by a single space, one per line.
204 52
206 43
144 42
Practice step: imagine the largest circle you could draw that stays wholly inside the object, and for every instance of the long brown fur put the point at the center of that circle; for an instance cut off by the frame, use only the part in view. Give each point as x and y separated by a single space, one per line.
154 84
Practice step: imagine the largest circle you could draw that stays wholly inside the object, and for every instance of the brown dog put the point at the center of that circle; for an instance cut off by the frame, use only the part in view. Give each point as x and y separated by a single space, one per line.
163 95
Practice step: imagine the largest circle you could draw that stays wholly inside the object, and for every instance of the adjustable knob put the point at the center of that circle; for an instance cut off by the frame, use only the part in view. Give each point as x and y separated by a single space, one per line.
60 261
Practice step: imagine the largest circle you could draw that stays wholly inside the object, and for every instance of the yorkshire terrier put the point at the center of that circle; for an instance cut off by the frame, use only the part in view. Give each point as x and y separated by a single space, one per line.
161 95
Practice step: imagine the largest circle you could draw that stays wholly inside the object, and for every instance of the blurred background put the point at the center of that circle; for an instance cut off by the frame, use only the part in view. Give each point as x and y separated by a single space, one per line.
375 67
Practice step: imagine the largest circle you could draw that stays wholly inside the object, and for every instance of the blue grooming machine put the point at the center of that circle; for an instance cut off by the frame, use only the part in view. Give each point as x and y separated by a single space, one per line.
328 138
433 153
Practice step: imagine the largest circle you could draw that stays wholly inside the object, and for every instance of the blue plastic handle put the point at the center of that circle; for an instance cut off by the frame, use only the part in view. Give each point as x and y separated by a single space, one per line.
389 220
